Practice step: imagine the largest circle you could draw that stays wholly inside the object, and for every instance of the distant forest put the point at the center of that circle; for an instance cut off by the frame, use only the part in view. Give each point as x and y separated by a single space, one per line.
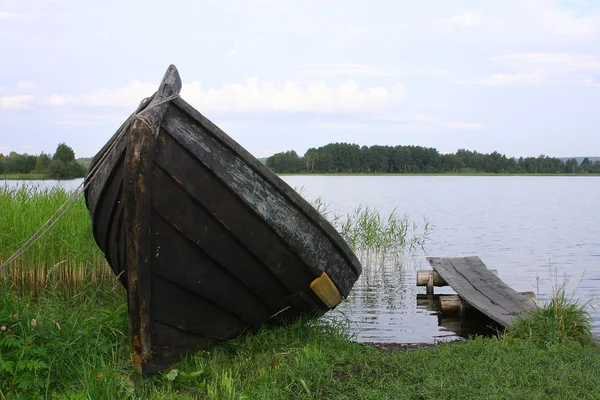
352 158
60 165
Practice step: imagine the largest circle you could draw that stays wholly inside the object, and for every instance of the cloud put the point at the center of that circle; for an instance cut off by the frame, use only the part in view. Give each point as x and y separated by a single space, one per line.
516 79
129 96
13 16
253 96
463 126
341 126
540 68
344 69
466 20
26 86
563 22
408 122
235 48
563 61
4 72
14 102
592 82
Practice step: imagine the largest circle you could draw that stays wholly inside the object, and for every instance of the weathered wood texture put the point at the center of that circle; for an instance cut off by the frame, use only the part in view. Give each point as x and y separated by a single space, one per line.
427 276
453 303
208 242
137 203
472 281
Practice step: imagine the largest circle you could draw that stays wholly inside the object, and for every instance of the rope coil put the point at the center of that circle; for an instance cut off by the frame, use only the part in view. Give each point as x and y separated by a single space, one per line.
74 197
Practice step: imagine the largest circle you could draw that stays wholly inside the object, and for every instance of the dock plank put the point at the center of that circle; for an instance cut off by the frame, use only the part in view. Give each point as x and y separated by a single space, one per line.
472 281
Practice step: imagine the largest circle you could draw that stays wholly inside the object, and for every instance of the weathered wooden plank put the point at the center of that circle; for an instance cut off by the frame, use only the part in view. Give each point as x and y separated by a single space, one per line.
199 316
213 240
495 290
236 219
493 285
291 223
477 285
137 200
176 258
264 173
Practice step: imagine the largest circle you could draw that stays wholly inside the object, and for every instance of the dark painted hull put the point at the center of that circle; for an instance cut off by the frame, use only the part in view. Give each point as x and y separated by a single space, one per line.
208 242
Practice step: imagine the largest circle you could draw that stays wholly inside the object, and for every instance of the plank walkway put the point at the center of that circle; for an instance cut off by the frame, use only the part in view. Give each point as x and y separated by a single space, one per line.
477 285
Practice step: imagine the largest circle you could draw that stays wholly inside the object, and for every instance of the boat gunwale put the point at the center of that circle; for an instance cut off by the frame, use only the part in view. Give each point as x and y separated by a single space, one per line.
279 184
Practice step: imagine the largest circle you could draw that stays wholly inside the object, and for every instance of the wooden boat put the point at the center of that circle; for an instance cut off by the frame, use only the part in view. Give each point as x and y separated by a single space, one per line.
207 241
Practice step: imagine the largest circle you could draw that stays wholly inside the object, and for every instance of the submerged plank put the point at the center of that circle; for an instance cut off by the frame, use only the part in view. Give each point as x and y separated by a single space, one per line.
471 280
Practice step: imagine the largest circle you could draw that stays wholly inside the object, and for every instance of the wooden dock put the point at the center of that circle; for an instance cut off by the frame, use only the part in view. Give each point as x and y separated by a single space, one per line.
479 287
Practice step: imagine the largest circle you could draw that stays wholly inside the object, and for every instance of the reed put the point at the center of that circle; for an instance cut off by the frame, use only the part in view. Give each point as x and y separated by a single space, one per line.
377 239
66 258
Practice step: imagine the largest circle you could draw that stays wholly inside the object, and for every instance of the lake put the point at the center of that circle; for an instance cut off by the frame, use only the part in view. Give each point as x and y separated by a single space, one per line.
533 229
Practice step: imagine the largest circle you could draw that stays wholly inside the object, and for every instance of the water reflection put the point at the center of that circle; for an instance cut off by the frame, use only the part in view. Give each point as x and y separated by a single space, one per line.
382 306
536 231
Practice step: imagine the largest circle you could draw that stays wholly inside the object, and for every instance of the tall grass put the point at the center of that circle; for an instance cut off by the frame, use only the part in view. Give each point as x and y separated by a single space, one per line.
560 319
377 239
65 258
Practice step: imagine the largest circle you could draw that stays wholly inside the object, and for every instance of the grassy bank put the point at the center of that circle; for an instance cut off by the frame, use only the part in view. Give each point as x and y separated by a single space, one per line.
66 258
26 177
64 332
78 348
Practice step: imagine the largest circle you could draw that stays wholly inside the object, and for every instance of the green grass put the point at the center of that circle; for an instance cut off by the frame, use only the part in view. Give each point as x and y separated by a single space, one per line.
68 338
31 176
67 255
560 320
78 348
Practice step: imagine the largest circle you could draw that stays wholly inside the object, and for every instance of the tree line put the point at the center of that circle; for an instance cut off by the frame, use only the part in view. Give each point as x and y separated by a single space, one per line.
352 158
60 165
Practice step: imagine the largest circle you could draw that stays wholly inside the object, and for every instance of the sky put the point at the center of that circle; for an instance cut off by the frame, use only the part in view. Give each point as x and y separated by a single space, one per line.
521 77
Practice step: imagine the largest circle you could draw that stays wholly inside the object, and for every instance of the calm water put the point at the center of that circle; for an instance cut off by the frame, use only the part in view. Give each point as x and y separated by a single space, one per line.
525 227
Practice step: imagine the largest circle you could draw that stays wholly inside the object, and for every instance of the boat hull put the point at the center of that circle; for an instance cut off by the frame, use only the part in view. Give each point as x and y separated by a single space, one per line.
208 242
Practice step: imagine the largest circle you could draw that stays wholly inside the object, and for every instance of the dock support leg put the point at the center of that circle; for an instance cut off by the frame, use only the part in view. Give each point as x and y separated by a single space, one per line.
429 289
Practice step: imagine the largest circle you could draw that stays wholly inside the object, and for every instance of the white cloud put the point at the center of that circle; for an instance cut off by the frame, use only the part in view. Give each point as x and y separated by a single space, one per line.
14 102
4 72
340 126
563 22
59 99
591 82
540 68
562 61
252 96
463 126
235 48
26 86
80 122
516 79
425 123
344 69
13 16
466 20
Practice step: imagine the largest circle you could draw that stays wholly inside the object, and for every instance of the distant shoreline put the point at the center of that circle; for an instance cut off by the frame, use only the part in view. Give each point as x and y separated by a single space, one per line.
43 177
430 174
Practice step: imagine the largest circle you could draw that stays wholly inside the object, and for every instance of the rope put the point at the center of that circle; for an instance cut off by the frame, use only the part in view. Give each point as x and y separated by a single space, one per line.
74 197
